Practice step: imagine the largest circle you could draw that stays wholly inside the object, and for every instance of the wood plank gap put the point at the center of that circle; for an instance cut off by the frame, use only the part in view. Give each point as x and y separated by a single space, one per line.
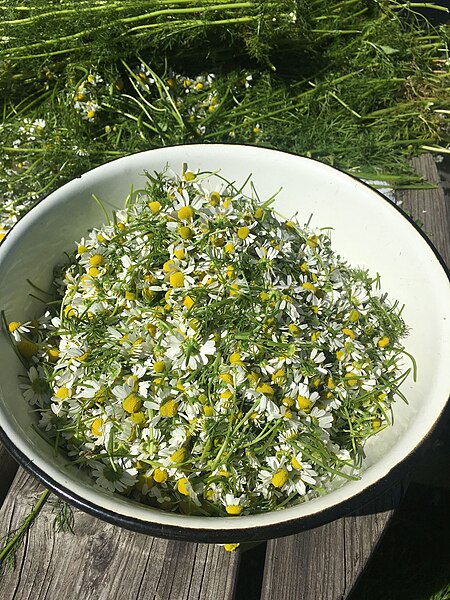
8 470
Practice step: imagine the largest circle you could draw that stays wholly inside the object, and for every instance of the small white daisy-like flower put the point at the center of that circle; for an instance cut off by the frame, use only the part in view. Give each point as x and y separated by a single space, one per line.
17 329
37 391
113 478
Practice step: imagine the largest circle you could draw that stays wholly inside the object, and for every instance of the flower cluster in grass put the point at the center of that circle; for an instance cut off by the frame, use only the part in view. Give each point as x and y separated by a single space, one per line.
207 356
350 82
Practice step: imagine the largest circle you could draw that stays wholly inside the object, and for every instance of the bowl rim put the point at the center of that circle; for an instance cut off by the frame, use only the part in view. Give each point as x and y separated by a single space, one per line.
263 531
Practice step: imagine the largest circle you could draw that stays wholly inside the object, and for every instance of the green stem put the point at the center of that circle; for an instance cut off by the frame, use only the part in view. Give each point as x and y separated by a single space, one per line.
190 10
15 540
409 5
184 11
113 7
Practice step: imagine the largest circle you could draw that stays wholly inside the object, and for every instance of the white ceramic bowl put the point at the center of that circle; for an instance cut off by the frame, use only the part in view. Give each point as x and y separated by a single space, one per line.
368 230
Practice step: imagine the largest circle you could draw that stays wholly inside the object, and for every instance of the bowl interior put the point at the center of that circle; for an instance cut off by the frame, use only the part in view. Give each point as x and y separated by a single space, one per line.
366 230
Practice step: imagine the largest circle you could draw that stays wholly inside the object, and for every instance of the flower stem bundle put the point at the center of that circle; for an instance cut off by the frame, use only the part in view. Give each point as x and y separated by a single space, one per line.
204 355
362 85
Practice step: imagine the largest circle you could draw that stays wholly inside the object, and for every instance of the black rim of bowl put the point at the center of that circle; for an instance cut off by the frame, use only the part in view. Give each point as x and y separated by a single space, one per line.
262 532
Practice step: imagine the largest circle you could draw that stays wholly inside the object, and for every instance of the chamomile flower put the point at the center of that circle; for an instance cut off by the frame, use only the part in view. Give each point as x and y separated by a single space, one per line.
36 391
201 342
114 479
17 329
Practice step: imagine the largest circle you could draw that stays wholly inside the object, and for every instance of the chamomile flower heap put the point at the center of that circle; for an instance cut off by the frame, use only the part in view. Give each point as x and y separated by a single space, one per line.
209 357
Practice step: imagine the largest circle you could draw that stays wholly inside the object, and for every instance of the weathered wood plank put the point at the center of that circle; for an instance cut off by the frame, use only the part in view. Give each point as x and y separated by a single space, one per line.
101 562
429 207
330 559
326 561
8 468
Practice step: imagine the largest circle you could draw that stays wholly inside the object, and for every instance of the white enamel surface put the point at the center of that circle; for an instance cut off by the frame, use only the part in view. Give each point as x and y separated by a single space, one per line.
367 230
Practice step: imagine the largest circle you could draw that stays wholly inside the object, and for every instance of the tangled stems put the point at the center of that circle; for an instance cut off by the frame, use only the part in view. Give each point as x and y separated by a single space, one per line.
365 102
205 351
157 27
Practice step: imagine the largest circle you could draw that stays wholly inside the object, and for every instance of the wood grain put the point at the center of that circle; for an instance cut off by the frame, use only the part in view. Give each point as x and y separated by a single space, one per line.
324 563
103 562
428 207
8 468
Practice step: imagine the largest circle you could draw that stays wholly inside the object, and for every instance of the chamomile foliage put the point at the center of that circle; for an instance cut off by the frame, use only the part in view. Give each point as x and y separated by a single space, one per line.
207 356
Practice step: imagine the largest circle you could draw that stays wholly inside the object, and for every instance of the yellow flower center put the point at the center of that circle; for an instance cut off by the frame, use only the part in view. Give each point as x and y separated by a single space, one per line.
383 342
243 233
185 213
340 354
96 427
27 348
169 408
208 411
14 325
265 389
53 354
96 260
69 311
303 402
348 332
93 272
154 206
151 328
227 377
169 266
351 378
62 393
235 358
214 198
179 253
188 302
297 466
315 336
288 401
179 455
259 213
132 403
159 366
160 475
354 315
177 279
139 418
234 509
312 241
279 478
294 330
182 486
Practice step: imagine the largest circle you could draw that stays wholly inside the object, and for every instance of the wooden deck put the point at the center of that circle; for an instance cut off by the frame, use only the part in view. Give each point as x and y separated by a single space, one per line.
103 562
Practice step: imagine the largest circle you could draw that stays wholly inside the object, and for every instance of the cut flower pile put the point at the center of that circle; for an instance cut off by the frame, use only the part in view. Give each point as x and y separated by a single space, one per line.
207 356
